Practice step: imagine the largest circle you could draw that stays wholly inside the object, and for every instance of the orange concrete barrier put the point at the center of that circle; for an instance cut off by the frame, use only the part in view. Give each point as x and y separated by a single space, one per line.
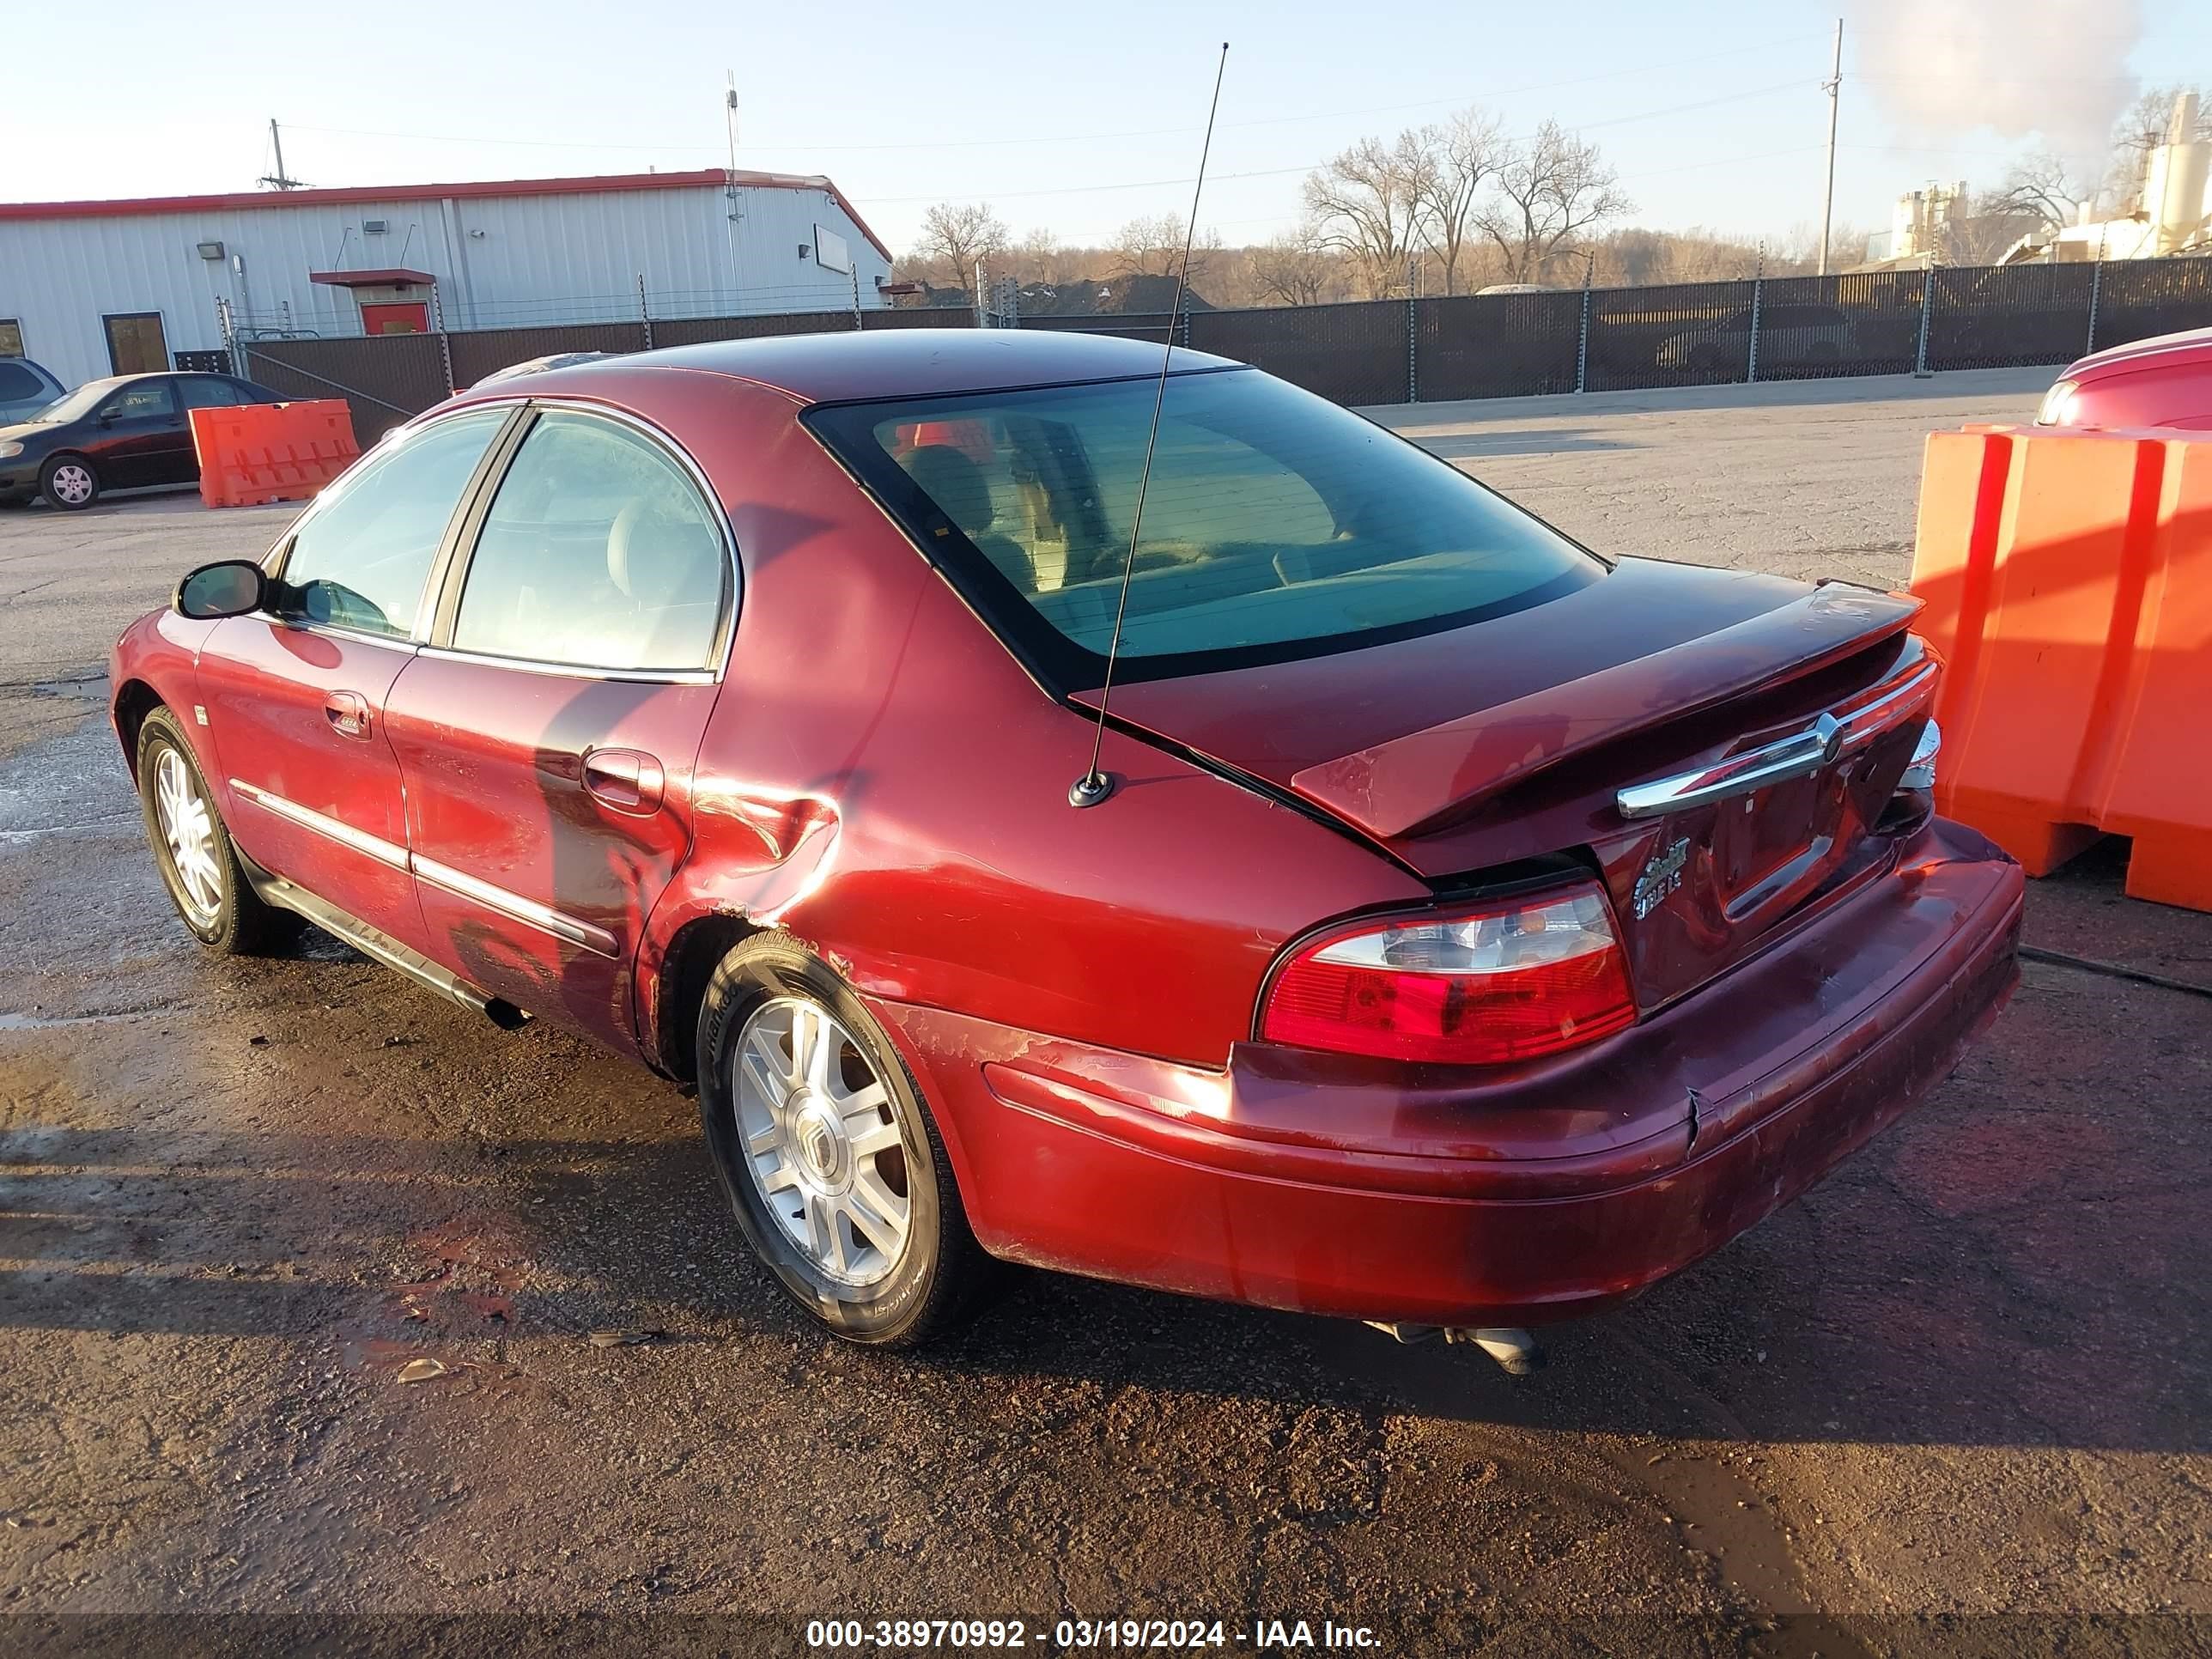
272 452
2067 578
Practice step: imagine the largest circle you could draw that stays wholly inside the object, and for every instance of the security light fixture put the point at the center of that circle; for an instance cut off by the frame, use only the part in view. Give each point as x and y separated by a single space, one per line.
210 250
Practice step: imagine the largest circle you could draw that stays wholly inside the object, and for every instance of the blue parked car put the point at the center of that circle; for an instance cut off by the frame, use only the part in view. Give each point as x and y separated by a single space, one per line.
25 389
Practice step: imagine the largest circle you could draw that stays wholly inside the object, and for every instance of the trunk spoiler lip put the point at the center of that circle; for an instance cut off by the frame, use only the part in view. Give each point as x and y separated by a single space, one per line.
1405 786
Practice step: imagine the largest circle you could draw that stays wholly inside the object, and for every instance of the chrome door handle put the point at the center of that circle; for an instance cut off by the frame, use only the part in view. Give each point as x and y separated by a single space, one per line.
348 713
628 780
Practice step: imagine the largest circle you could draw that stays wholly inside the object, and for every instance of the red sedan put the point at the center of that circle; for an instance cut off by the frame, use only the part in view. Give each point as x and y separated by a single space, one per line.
1468 930
2164 381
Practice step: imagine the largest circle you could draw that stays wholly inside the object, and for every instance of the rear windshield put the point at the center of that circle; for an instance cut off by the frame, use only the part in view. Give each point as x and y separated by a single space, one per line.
1276 524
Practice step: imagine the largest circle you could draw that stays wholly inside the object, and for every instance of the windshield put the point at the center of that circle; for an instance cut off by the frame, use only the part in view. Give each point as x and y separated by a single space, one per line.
1276 524
73 405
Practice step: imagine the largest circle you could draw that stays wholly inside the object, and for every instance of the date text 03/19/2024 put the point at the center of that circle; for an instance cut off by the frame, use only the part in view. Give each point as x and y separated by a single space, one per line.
1068 1635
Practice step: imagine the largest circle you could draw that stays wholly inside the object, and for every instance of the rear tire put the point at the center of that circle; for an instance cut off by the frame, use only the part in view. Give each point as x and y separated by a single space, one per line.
70 483
827 1153
192 850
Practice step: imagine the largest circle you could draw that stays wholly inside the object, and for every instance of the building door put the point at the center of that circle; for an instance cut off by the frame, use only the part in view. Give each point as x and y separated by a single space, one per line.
396 319
135 344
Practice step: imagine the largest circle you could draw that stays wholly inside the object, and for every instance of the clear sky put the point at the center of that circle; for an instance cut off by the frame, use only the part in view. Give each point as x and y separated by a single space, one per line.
1072 118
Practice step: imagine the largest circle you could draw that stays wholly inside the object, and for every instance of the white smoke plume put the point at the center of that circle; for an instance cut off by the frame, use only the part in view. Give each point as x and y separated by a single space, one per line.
2054 70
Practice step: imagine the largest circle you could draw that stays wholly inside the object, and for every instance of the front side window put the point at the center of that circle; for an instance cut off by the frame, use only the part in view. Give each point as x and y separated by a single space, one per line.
141 400
1276 524
359 559
599 552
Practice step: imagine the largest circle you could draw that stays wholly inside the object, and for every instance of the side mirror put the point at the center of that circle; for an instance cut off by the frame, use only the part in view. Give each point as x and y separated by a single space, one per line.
230 588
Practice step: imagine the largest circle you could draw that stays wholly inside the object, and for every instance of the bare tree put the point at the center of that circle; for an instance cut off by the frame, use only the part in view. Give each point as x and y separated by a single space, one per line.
1462 155
1366 203
961 233
1040 257
2141 129
2040 189
1148 246
1546 193
1295 269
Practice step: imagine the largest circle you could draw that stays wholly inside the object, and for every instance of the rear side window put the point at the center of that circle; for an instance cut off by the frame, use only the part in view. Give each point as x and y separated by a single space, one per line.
207 391
360 558
599 552
1275 524
17 383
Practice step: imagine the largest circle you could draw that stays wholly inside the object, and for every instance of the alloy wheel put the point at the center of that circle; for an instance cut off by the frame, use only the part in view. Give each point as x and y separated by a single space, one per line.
72 484
188 827
823 1141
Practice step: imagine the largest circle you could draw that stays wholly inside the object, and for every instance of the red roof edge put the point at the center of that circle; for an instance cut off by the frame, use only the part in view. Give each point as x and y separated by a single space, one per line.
587 184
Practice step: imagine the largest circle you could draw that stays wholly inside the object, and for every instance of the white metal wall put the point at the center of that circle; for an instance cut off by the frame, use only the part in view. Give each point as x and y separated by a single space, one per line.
500 262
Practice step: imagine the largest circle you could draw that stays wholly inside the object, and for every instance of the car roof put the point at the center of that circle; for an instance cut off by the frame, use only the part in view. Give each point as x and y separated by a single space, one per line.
2188 345
898 362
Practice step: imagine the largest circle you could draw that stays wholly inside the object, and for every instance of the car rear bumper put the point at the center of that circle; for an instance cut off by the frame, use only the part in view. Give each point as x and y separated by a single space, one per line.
1301 1181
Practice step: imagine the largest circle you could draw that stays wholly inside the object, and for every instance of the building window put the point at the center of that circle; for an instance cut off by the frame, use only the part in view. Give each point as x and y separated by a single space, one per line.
11 338
136 344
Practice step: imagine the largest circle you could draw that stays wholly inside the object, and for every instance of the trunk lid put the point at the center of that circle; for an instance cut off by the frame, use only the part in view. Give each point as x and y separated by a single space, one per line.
1513 740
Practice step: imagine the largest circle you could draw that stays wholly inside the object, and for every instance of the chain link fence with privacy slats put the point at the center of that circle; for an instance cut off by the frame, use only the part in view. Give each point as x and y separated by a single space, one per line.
1126 325
1354 353
385 377
1496 345
1392 351
2011 317
2140 298
1865 323
1688 334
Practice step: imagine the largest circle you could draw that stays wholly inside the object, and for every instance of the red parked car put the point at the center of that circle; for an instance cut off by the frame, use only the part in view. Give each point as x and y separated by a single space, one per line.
2166 381
1472 930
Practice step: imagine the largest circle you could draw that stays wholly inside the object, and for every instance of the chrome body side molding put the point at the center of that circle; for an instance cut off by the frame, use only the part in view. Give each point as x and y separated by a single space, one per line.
529 912
567 928
346 834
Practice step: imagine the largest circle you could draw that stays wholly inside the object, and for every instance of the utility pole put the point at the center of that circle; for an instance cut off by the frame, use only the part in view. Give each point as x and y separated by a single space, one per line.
730 127
279 181
1833 83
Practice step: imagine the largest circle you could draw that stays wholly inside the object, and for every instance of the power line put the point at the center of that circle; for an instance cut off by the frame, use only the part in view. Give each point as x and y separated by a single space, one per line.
1028 141
1309 167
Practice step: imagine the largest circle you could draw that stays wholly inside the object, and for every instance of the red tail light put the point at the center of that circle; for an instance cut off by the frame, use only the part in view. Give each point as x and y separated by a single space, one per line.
1504 980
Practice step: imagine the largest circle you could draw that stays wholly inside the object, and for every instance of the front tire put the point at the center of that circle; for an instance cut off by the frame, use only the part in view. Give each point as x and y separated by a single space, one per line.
70 483
192 850
828 1156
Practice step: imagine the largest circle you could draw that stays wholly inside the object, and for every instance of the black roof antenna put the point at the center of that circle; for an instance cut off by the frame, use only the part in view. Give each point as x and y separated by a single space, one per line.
1094 786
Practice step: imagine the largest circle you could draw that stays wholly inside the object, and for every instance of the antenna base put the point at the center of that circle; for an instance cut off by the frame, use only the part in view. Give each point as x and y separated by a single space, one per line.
1089 789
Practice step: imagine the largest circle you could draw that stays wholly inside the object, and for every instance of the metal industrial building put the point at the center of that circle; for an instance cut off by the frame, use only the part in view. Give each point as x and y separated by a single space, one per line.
90 288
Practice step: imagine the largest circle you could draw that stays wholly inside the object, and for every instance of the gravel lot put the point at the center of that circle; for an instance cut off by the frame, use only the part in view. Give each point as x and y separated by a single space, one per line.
1953 1401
